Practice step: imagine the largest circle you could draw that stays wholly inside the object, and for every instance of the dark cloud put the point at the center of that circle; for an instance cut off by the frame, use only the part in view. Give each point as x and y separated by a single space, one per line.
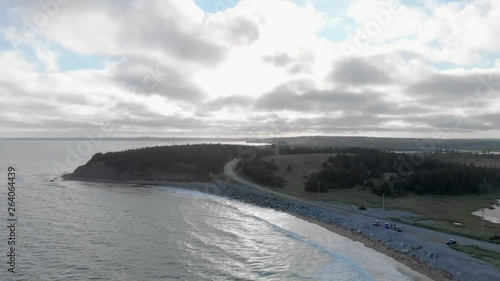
457 122
447 88
284 98
272 124
349 121
165 122
184 46
144 76
358 72
134 110
293 65
224 102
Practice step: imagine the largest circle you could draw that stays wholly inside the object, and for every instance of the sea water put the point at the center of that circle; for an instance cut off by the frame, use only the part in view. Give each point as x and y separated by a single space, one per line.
70 230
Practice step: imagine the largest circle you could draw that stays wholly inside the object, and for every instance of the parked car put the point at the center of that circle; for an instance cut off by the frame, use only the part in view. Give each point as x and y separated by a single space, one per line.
398 228
386 225
376 223
451 242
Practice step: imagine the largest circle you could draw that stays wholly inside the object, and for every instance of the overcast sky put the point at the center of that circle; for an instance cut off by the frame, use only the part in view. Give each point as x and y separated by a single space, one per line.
419 68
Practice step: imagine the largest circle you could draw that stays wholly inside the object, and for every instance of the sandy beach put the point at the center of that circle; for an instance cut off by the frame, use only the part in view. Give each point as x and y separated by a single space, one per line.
408 260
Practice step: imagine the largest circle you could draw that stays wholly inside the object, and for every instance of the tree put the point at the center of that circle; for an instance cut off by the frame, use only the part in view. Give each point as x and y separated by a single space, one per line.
312 184
272 165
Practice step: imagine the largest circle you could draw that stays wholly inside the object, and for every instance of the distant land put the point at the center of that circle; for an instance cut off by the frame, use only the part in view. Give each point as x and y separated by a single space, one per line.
129 139
395 144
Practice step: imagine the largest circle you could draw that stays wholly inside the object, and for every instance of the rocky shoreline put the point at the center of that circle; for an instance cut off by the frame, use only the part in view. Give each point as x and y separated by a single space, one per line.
418 255
449 265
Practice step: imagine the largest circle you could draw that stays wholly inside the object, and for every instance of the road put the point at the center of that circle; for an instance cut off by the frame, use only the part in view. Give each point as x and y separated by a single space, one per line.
415 232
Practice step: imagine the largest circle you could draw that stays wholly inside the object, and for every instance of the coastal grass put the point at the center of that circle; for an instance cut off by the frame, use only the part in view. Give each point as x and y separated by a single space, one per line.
492 239
449 213
480 253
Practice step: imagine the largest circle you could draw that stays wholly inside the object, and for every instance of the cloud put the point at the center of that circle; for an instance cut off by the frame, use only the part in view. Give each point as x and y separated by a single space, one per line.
302 63
279 59
233 30
229 101
456 122
358 72
143 76
120 28
288 98
257 67
452 88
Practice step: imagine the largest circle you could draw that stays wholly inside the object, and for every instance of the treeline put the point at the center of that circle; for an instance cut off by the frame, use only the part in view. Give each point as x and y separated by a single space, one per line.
262 172
359 166
438 177
306 150
203 157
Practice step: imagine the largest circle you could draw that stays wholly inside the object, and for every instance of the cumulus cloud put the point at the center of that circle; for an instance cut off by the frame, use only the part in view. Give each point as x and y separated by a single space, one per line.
358 72
260 67
143 76
447 88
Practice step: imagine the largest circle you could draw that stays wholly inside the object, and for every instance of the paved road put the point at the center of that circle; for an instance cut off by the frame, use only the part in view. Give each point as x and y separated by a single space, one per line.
415 232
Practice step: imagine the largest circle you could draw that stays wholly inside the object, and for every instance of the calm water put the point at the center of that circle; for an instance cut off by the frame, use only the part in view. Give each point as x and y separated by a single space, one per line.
91 231
491 215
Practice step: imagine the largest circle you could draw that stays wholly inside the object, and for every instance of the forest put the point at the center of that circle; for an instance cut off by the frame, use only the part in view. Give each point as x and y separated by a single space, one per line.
427 175
204 157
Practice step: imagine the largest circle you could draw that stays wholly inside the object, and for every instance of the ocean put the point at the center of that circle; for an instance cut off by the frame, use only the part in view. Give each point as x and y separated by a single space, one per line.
67 230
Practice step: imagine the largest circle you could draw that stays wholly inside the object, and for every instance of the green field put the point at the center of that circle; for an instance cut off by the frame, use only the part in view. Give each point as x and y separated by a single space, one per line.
449 213
479 253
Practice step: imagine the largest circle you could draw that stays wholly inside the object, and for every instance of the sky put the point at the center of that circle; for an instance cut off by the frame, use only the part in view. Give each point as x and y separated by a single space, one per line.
250 68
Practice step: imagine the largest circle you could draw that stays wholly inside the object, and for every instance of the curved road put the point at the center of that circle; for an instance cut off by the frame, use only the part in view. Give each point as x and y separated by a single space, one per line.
418 233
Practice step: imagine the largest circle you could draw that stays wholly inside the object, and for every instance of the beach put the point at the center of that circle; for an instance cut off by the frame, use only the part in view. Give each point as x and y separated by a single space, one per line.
416 256
413 266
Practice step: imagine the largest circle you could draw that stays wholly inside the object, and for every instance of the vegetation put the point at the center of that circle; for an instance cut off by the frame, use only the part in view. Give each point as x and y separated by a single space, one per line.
398 144
357 166
480 253
260 171
198 160
441 212
306 150
263 172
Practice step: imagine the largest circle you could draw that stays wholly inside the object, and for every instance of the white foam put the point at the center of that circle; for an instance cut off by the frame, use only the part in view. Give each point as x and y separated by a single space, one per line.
379 266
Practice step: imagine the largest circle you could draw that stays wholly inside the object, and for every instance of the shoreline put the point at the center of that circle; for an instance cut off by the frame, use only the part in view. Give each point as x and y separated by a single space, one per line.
437 262
208 187
406 259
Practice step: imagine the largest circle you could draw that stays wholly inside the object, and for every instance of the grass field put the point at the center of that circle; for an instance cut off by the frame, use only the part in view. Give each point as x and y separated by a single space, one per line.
479 253
475 159
445 210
